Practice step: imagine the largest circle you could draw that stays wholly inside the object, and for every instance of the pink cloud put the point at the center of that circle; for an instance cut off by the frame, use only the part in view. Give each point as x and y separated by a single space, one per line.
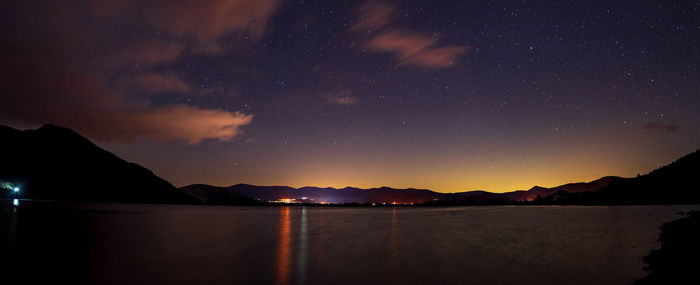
170 123
372 16
414 49
668 128
186 123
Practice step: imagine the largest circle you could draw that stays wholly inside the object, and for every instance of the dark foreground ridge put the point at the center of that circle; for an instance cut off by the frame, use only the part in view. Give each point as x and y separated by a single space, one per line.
56 163
677 261
675 183
213 195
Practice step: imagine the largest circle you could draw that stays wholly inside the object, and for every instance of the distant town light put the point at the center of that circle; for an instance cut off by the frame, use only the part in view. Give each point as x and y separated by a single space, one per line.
285 201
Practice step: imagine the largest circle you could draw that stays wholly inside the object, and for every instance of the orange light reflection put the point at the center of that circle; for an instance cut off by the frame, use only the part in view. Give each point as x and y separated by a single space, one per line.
284 247
394 250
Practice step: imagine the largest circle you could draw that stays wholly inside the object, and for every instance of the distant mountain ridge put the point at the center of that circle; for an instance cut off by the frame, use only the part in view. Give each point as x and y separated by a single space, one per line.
382 194
333 195
56 163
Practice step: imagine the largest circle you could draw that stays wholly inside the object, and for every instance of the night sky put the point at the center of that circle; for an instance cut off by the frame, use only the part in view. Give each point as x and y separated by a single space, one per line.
446 95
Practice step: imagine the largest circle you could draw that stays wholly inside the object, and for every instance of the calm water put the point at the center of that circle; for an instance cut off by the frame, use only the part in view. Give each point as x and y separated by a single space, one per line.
165 244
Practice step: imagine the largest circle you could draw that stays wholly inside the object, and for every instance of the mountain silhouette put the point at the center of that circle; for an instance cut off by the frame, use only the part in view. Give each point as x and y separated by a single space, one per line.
678 182
213 195
56 163
578 187
388 195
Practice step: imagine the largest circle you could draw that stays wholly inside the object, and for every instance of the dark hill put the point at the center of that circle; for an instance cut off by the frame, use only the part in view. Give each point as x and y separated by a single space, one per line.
678 182
483 197
578 187
213 195
586 186
56 163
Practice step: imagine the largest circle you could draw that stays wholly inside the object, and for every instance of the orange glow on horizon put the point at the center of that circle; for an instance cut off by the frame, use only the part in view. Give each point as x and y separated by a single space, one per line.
496 168
494 173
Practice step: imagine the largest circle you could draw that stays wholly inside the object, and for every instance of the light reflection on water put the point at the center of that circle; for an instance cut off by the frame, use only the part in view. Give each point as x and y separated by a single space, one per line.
284 250
301 261
394 269
127 244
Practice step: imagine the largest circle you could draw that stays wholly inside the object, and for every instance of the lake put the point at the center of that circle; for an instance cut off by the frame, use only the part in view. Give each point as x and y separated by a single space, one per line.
94 243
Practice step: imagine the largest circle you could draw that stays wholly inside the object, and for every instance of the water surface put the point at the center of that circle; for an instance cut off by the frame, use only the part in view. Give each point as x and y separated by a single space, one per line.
167 244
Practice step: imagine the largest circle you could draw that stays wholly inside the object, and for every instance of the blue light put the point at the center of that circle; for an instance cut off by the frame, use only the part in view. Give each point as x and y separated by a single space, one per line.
16 189
15 202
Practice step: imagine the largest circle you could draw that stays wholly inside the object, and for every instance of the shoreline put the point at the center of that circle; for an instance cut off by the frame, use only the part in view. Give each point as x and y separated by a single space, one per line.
676 261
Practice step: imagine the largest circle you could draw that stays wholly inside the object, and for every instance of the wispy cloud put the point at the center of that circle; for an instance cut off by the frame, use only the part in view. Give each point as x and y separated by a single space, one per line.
145 53
186 123
668 128
155 83
372 16
204 22
340 98
347 101
416 49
